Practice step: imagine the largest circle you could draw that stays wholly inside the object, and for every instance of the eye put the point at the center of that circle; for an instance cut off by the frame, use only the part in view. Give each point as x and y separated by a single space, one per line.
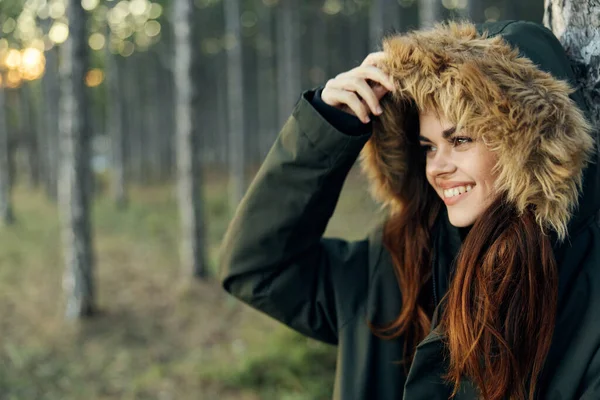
460 140
427 148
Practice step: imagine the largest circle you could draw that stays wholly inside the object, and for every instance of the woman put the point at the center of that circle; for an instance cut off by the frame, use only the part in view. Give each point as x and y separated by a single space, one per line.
484 280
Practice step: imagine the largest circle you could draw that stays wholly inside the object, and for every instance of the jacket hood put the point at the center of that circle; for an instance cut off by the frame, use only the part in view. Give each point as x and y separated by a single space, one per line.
509 84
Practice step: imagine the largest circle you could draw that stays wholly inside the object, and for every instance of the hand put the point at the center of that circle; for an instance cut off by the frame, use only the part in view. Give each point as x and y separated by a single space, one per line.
359 90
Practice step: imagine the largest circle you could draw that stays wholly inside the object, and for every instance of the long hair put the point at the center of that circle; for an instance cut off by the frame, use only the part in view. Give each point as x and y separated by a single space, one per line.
499 311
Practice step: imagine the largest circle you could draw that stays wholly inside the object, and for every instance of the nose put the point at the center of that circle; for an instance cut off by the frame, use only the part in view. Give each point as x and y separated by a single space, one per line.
440 164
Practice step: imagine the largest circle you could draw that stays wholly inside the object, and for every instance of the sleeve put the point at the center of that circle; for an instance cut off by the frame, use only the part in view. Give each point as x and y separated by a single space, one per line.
342 121
273 256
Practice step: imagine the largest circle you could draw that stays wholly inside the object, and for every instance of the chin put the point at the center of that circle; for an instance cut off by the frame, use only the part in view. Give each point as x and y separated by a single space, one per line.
461 219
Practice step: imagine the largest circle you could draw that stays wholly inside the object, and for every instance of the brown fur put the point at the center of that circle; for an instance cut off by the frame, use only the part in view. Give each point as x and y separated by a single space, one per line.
482 85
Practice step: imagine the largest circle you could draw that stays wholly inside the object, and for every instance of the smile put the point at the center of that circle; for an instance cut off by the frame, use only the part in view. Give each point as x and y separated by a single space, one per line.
455 194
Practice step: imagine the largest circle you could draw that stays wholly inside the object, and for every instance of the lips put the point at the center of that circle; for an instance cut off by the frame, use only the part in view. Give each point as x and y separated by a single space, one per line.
454 194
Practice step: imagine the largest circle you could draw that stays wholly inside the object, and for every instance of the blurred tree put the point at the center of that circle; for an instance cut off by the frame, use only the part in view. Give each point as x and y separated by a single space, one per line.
266 76
188 165
235 96
6 213
74 177
114 114
383 19
27 131
576 23
430 11
50 93
475 10
288 57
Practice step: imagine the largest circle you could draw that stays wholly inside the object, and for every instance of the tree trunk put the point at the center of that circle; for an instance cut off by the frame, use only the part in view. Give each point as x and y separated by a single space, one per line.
74 130
430 11
576 23
188 166
288 54
475 10
6 213
114 123
384 17
235 93
266 78
28 134
51 111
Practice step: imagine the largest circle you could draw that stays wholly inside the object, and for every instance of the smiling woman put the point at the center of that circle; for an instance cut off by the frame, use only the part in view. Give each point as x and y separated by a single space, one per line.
477 144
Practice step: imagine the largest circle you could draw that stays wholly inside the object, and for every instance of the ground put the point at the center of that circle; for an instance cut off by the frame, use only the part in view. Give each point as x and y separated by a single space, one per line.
159 334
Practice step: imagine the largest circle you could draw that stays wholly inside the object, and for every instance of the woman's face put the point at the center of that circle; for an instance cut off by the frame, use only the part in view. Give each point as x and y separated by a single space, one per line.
458 167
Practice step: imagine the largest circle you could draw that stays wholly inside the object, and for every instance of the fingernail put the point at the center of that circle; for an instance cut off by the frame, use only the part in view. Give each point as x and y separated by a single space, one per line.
367 120
379 110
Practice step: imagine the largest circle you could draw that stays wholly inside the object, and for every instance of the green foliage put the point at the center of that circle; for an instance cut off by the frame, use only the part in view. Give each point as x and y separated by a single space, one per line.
291 367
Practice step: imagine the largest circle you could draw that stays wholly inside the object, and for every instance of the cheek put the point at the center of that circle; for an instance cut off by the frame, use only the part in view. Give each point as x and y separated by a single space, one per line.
429 176
484 172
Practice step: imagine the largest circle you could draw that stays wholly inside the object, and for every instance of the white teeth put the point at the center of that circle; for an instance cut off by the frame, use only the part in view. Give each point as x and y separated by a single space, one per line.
457 190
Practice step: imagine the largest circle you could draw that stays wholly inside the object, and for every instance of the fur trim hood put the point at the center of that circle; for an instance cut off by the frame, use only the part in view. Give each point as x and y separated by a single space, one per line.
507 83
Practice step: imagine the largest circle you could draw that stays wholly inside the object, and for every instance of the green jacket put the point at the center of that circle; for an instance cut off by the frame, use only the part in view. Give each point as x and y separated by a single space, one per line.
274 258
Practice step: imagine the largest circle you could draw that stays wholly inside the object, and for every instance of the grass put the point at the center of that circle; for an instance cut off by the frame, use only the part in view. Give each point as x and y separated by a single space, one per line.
159 334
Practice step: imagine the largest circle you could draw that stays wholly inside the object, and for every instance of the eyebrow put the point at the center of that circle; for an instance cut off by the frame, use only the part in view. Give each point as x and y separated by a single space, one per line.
445 134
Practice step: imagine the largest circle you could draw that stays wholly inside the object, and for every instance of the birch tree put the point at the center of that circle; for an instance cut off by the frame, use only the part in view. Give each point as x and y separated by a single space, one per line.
288 57
74 176
235 96
114 123
51 92
430 11
6 213
188 165
576 23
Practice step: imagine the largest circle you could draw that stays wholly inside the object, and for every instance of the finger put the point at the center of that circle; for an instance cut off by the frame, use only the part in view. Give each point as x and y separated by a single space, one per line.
351 100
376 75
362 88
379 91
374 58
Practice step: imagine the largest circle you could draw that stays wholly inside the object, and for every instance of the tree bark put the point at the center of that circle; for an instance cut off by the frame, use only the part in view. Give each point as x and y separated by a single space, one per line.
51 115
74 130
6 212
27 130
288 58
265 70
576 23
430 11
188 165
114 123
235 93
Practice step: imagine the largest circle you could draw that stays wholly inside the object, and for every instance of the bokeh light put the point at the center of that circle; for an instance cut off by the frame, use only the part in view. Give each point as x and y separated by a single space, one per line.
94 77
138 7
32 64
492 13
152 28
126 48
12 60
155 11
38 44
89 5
57 9
9 26
332 7
13 79
59 32
97 41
